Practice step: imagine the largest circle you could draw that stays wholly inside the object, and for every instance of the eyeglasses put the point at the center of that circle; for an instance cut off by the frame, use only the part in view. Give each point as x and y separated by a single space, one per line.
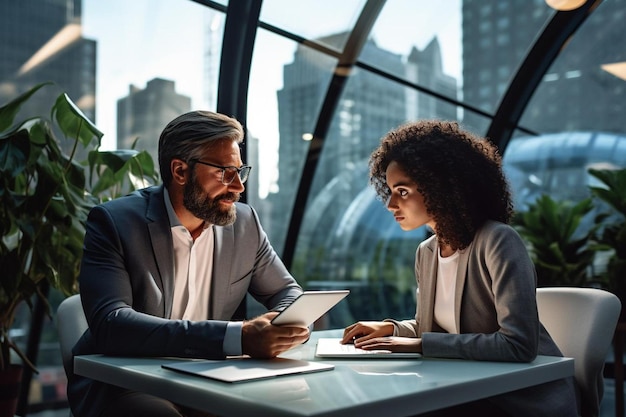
229 172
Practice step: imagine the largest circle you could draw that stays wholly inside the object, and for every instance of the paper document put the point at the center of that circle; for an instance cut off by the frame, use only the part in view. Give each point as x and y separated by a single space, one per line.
332 348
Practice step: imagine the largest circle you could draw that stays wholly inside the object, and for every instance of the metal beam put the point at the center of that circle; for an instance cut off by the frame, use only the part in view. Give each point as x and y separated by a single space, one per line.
346 62
242 19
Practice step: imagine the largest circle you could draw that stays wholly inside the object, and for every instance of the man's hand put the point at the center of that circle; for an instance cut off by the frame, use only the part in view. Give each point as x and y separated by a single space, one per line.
261 339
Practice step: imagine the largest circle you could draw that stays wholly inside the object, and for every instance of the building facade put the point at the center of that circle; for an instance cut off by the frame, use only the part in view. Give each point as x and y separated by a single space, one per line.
41 41
143 114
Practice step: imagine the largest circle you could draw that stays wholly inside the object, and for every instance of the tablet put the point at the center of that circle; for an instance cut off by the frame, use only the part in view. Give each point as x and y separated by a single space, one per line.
308 307
246 369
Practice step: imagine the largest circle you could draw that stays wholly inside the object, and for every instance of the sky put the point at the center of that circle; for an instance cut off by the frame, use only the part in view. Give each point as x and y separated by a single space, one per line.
144 39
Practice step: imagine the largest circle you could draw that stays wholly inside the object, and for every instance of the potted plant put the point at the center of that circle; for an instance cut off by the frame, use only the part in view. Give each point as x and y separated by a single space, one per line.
561 245
45 197
612 226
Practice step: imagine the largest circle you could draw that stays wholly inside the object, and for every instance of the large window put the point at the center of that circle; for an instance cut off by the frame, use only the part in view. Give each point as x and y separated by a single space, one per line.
327 80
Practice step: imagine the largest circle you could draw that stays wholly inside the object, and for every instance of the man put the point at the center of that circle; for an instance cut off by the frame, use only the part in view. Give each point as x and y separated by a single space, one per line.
165 268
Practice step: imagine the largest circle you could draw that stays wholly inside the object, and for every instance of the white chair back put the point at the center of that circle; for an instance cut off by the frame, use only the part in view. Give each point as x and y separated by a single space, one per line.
71 324
582 322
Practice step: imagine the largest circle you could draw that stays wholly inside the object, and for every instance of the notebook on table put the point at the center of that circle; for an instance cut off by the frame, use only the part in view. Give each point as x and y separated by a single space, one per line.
333 348
246 369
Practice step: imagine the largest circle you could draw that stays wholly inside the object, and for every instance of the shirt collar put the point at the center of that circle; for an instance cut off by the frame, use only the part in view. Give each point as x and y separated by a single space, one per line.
171 214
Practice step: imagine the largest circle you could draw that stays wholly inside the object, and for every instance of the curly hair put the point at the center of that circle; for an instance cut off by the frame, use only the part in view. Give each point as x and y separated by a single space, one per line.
458 173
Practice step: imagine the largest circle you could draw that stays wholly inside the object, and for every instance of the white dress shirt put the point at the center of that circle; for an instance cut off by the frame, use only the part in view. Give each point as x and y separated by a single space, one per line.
193 272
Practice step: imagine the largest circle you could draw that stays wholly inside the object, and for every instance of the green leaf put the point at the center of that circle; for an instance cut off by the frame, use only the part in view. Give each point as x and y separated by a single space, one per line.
142 165
105 181
10 110
73 123
614 192
561 251
120 167
14 152
45 200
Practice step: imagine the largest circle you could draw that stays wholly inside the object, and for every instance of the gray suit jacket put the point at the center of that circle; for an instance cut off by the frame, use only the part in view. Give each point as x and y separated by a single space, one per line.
496 315
126 286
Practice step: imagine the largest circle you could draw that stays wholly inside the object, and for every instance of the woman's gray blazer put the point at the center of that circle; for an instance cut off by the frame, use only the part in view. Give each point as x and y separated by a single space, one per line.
496 315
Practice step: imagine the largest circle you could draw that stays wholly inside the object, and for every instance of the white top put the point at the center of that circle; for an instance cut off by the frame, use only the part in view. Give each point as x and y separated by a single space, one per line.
193 275
444 293
192 280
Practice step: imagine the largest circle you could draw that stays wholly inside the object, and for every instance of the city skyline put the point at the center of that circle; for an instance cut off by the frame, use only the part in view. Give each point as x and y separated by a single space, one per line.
116 74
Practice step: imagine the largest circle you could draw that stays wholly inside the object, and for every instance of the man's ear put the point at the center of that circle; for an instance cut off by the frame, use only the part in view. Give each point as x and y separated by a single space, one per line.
179 171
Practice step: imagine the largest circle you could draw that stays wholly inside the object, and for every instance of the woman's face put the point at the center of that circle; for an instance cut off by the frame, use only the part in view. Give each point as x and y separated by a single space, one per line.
405 202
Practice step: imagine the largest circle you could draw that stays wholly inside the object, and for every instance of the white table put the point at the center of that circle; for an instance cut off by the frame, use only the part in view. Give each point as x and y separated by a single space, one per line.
356 387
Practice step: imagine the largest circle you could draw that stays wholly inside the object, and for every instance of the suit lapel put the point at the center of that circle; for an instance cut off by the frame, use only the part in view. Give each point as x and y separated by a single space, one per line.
428 285
224 242
461 275
161 239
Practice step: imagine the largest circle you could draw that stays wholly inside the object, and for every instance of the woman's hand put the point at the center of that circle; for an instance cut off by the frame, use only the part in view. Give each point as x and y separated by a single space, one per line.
365 330
391 343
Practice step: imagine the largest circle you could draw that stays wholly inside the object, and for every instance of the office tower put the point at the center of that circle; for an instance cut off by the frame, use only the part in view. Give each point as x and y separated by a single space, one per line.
425 68
498 34
40 41
496 37
143 114
369 107
575 133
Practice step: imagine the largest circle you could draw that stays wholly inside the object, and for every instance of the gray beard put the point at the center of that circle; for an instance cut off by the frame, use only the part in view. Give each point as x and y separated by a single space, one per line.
206 208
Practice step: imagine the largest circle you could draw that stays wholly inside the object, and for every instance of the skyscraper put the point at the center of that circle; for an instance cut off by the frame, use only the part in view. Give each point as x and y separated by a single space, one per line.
501 33
143 114
425 68
369 107
40 41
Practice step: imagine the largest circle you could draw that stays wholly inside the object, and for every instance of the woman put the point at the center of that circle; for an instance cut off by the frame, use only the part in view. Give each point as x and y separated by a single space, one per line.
476 281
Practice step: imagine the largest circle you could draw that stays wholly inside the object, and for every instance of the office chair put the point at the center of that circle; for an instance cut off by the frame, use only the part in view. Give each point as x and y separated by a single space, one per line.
582 322
71 323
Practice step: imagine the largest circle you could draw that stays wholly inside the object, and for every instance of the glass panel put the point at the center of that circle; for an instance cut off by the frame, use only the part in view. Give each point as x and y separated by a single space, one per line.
42 41
130 66
474 122
579 109
430 47
348 239
162 60
314 19
556 164
496 37
581 91
287 85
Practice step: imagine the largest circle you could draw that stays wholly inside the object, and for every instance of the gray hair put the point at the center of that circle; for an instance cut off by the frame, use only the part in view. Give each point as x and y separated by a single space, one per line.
188 135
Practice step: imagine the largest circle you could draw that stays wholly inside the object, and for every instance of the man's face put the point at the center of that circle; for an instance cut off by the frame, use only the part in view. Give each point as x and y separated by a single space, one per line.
205 195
